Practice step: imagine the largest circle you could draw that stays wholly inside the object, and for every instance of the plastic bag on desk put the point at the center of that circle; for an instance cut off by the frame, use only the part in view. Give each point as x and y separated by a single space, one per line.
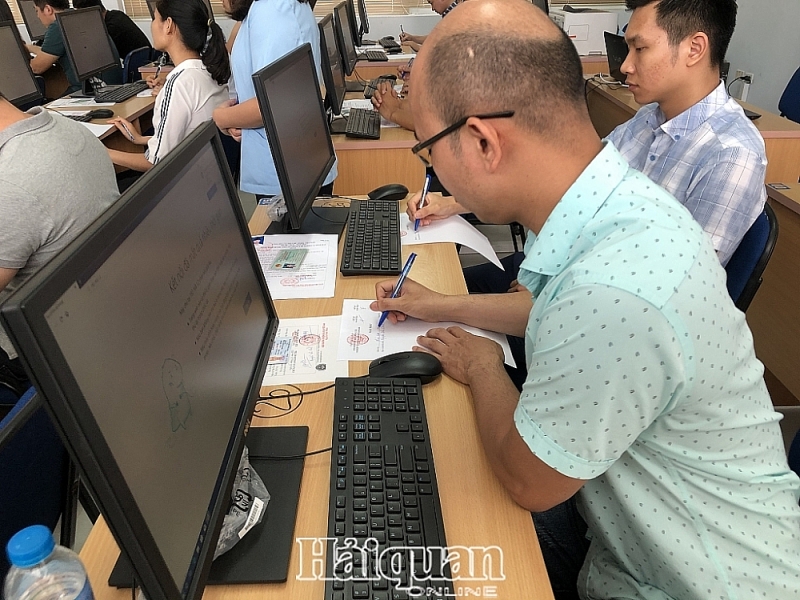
249 502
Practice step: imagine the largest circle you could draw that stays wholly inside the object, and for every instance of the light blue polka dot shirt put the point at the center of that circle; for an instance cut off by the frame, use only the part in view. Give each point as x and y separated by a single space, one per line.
643 381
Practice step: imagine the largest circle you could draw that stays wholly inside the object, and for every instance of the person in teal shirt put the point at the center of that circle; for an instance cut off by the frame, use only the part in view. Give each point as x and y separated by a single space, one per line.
53 49
644 438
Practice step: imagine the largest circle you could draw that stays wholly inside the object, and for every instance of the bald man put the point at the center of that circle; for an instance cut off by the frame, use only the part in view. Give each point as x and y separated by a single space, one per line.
644 433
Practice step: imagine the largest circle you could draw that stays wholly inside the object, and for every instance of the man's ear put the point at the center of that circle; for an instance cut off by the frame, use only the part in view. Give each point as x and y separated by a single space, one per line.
698 47
485 141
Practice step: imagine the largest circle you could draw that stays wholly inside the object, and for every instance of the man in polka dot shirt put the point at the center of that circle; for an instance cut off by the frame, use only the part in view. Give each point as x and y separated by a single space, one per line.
644 429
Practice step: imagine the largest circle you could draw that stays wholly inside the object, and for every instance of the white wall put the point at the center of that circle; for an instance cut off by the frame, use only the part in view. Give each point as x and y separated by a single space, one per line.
765 43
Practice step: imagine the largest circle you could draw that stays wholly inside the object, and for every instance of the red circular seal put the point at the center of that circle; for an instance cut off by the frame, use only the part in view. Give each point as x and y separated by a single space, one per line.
309 339
357 339
290 281
403 233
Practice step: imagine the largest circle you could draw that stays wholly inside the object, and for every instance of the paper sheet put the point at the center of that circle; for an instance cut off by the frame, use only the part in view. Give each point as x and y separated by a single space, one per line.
316 275
360 338
453 229
145 93
71 113
304 351
97 129
67 102
363 103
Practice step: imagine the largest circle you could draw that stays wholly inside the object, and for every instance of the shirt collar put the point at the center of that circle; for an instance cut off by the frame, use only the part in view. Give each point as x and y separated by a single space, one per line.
548 252
694 116
451 7
40 118
189 63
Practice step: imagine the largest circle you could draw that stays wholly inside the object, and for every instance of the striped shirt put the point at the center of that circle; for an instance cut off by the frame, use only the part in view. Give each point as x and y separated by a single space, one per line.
710 157
187 100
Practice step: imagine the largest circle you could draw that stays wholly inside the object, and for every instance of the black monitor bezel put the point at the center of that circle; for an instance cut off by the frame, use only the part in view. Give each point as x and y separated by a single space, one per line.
34 38
36 95
151 7
348 62
333 99
355 26
613 42
22 316
295 211
363 18
70 14
546 8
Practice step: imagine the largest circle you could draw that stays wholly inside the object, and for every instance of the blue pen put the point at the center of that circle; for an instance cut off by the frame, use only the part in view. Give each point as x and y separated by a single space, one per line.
423 197
396 290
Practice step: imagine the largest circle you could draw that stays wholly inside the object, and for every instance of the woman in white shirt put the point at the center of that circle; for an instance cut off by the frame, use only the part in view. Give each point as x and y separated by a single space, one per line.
192 90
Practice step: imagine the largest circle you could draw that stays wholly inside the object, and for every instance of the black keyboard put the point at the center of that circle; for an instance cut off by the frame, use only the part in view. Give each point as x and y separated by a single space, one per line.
373 84
390 45
376 56
363 123
384 495
82 118
120 93
372 243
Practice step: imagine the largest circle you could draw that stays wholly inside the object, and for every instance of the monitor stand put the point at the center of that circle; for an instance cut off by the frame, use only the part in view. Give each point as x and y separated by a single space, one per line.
320 219
262 556
354 86
338 125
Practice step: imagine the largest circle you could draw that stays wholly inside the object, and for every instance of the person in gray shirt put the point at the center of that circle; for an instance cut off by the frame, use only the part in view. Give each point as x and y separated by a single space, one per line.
55 179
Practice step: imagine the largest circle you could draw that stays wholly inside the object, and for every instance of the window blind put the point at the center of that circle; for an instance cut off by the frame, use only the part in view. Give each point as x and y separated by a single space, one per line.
12 4
138 8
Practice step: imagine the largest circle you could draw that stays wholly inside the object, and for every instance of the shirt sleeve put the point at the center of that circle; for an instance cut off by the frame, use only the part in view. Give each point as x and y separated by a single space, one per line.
174 118
726 195
53 42
271 47
23 226
605 364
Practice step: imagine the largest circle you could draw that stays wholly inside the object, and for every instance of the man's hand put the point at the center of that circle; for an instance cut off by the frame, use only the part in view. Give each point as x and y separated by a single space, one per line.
407 38
415 300
464 356
516 286
436 207
385 100
404 72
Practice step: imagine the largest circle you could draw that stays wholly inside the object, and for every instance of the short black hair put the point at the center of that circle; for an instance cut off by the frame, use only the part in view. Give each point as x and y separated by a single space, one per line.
483 70
56 4
682 18
87 4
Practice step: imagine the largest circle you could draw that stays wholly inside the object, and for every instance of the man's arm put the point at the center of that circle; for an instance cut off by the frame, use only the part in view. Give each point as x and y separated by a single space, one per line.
42 61
246 115
6 275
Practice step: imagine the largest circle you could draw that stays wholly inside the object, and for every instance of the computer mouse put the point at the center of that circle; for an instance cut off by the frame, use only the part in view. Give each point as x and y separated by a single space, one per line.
388 38
407 364
391 76
390 191
101 113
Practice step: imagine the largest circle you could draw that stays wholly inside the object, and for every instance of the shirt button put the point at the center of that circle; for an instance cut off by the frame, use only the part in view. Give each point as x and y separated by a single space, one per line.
677 137
652 157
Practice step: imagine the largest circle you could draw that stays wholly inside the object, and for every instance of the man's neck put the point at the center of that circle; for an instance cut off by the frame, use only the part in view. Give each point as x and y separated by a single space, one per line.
689 95
10 114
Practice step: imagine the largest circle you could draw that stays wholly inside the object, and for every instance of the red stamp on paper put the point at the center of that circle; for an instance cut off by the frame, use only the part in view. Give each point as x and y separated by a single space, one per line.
290 281
357 339
309 339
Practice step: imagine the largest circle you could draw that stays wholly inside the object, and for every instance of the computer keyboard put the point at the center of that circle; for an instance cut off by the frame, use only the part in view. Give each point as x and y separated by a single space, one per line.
120 93
82 118
383 496
390 45
376 56
372 85
372 242
363 123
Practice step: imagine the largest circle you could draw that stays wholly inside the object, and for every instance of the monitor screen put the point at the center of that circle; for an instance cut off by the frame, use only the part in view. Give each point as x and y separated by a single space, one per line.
34 26
342 24
362 13
148 337
87 41
617 52
332 71
151 6
16 78
543 5
355 28
297 130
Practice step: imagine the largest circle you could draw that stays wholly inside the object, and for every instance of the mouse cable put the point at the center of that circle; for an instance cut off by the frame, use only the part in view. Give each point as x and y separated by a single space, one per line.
337 197
296 456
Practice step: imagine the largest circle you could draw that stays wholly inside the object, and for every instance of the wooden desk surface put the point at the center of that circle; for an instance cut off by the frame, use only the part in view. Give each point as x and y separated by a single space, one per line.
476 508
611 105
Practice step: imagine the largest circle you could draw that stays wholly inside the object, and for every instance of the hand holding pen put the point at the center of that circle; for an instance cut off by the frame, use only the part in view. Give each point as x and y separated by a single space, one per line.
421 204
399 285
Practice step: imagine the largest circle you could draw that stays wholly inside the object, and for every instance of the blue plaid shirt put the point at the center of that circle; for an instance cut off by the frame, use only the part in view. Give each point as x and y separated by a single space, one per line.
710 157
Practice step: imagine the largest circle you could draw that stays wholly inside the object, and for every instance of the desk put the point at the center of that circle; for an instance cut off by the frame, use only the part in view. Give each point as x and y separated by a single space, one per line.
774 315
476 508
610 106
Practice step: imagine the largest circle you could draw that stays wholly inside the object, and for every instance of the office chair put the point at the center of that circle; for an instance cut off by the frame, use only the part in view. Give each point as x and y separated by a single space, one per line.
789 104
751 257
135 59
37 479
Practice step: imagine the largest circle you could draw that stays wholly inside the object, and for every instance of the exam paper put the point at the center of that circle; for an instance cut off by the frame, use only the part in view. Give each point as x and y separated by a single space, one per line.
360 338
67 102
97 129
315 277
452 229
304 351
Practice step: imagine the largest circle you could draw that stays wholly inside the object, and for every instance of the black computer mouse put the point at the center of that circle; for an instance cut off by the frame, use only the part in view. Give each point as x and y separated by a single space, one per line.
407 364
101 113
390 191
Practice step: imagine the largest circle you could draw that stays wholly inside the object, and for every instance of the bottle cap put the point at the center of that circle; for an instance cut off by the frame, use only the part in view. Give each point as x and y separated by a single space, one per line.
30 546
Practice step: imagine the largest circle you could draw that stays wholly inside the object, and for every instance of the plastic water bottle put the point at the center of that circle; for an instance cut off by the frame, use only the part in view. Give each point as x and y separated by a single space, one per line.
41 570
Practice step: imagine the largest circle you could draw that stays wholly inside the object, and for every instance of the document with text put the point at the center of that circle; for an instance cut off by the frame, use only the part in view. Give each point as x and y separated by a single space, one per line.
452 229
298 266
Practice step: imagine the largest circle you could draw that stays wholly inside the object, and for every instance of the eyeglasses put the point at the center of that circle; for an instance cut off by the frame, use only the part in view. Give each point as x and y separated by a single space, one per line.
505 114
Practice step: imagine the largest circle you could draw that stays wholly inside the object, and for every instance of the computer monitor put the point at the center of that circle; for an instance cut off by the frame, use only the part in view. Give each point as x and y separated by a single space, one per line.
543 5
363 20
36 29
148 337
297 132
16 78
617 52
87 42
332 72
343 26
355 29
